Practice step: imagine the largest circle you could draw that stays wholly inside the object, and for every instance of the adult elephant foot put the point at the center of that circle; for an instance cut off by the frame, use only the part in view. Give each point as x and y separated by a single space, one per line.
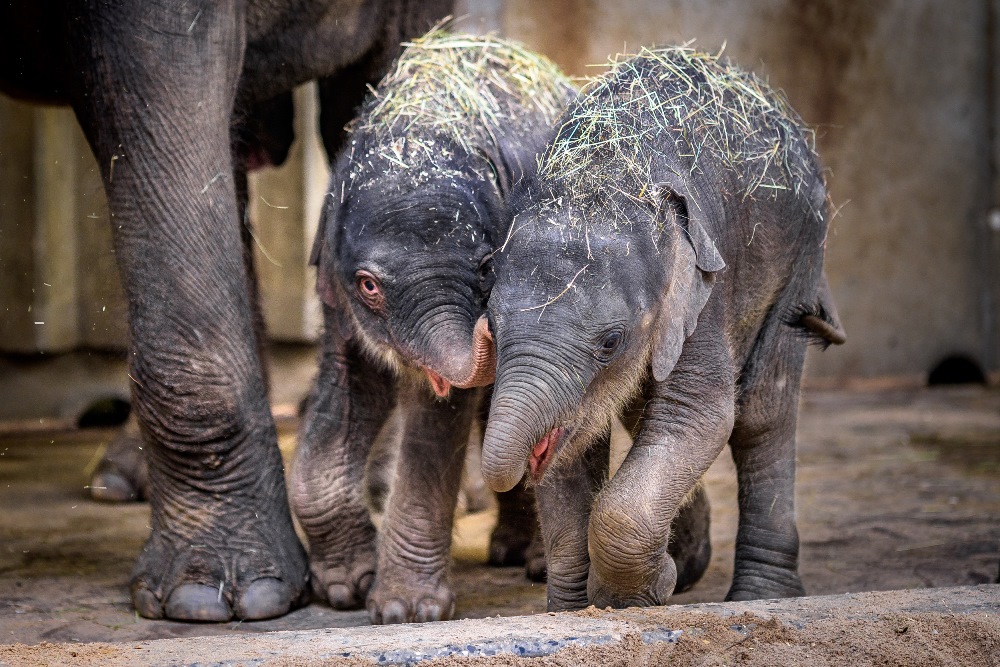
241 560
516 527
123 473
410 601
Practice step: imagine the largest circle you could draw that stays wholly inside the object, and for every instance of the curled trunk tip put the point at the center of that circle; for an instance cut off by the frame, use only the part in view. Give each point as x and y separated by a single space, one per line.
483 368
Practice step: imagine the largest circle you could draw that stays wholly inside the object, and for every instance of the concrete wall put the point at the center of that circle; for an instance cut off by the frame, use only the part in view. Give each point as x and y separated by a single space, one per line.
901 92
902 97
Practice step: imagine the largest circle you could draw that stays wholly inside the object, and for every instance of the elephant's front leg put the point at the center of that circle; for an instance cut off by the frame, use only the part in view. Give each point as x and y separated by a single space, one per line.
349 404
156 109
564 502
684 426
411 583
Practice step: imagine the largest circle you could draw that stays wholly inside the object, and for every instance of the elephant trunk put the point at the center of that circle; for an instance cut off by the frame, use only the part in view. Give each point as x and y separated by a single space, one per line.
522 423
481 369
466 365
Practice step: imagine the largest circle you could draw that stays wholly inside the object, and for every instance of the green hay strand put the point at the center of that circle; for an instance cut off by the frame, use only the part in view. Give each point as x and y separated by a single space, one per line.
450 92
710 110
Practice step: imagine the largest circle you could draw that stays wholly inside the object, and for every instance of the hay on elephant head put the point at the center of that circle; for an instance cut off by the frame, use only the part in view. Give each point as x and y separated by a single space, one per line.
449 91
709 109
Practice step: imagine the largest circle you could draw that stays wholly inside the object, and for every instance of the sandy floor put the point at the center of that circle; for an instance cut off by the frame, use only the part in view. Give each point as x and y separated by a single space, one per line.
896 490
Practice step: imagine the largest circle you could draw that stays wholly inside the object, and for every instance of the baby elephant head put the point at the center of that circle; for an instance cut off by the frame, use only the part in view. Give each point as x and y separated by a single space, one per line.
408 270
589 302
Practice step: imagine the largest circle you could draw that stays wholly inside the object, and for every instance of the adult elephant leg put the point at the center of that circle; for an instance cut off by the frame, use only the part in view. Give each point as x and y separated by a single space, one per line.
122 475
350 402
564 502
684 426
411 583
763 446
156 110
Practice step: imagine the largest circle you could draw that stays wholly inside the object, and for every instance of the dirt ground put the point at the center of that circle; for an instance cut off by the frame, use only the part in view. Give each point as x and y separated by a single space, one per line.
896 490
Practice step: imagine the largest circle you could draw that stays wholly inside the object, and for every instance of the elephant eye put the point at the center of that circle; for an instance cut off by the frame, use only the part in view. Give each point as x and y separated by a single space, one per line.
609 344
369 289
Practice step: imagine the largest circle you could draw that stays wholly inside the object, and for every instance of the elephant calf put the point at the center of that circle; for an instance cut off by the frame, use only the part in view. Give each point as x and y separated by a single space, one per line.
416 206
665 264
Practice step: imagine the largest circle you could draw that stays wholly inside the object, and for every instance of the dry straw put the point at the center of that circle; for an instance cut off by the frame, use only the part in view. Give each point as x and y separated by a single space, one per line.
716 115
449 91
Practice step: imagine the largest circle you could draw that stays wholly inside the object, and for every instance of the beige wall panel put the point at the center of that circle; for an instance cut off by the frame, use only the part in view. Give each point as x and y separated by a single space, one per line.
17 227
56 289
898 93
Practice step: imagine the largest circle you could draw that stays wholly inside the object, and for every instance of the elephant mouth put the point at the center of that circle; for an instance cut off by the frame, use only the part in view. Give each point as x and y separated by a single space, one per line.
440 386
541 453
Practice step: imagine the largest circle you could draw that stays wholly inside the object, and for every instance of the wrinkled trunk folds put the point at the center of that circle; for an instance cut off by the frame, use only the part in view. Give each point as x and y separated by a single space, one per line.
524 411
480 369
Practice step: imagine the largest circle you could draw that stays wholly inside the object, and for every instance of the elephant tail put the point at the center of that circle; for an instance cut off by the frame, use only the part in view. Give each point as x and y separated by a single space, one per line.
819 321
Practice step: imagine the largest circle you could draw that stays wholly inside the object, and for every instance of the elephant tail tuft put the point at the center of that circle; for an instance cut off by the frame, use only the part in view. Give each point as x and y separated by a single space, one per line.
818 321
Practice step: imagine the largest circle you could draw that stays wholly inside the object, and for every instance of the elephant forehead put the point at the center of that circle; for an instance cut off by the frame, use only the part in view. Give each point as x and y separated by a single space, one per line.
553 254
418 219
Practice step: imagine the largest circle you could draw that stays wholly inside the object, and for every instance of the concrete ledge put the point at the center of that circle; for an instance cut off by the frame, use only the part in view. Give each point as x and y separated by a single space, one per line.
498 640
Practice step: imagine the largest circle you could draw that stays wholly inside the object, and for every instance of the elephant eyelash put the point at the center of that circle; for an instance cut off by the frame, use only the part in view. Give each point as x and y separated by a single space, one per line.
803 320
605 356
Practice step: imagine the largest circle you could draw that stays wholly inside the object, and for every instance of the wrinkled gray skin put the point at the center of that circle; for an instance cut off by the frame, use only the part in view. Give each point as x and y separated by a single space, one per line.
177 101
686 312
427 238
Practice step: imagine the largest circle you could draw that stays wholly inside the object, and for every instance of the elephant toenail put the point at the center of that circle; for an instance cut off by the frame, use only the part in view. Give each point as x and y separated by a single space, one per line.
264 598
146 603
428 610
340 596
394 611
197 602
112 487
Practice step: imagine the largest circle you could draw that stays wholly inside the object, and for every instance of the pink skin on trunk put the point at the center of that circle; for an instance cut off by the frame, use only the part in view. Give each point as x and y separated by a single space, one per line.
483 364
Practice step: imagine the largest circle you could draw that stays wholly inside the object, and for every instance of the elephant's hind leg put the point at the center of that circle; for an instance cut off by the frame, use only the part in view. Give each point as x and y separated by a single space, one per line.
122 474
763 446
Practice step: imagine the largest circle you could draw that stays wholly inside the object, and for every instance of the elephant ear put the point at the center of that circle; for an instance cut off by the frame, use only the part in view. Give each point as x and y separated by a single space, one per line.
696 260
324 257
501 175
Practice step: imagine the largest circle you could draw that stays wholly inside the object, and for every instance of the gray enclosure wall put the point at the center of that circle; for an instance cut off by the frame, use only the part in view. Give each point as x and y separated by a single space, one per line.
902 93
